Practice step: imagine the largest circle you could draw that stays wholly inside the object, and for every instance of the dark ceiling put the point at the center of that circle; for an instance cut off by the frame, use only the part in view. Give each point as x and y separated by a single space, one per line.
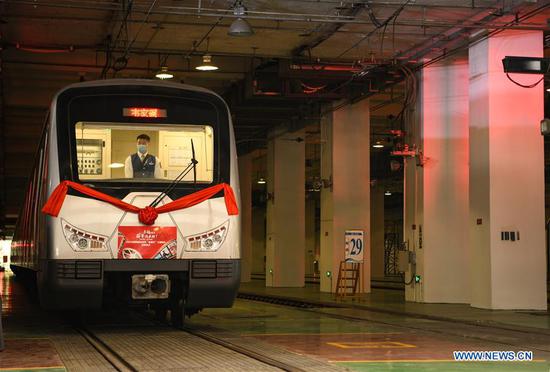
303 55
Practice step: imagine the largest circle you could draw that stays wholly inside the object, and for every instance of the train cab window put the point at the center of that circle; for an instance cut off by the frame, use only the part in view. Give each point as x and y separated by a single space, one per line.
143 153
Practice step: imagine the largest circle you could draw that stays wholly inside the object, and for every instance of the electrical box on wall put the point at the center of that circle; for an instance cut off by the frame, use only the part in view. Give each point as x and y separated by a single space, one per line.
404 258
509 235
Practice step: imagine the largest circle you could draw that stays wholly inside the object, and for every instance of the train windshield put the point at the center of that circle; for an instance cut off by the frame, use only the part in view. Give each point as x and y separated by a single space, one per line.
135 152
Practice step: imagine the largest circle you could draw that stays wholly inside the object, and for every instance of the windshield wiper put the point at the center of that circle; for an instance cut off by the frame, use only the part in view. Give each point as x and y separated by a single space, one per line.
191 166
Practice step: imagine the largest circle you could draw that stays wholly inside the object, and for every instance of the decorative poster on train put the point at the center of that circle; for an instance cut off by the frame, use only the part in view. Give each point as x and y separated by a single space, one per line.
136 242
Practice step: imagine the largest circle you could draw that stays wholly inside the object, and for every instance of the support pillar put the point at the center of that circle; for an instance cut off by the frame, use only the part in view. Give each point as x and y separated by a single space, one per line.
377 232
285 246
258 240
436 188
245 177
310 237
507 177
345 159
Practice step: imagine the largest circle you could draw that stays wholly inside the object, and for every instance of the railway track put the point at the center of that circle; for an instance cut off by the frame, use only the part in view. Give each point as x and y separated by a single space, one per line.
244 351
110 355
103 343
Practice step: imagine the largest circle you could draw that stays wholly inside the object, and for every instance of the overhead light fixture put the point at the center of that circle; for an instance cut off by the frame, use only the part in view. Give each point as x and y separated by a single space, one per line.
378 145
387 193
206 64
262 181
240 27
526 65
164 74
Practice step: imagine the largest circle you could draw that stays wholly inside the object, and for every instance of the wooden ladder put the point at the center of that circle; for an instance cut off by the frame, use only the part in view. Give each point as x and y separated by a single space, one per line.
348 279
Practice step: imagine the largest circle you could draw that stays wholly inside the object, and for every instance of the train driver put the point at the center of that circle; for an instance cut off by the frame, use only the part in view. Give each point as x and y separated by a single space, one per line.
142 164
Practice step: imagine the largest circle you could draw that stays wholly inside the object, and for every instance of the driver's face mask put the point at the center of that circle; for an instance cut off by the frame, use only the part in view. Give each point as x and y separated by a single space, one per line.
142 149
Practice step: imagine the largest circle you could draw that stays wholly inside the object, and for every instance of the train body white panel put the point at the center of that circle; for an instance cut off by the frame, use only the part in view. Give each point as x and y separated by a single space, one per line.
99 218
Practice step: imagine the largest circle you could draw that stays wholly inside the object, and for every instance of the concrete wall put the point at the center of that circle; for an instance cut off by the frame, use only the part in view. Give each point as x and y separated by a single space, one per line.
436 187
377 232
285 243
507 173
245 184
258 240
445 145
347 205
311 236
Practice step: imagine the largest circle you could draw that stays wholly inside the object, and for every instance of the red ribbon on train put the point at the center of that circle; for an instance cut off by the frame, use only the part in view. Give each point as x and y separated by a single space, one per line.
147 215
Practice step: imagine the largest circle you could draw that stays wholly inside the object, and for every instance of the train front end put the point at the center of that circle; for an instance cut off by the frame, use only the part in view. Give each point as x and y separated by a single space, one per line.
149 206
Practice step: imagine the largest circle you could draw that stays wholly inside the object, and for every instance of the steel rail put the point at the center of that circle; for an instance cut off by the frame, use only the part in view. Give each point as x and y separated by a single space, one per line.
110 355
226 344
122 365
244 351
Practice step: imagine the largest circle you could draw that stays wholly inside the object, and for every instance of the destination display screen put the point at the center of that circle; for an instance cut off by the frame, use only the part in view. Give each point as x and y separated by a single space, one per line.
144 112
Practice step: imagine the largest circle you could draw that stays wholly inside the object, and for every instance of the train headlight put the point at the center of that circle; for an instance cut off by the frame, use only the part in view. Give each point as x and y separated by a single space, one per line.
209 241
83 241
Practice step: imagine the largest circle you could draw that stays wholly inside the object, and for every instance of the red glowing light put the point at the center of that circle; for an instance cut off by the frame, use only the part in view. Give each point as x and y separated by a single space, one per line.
144 112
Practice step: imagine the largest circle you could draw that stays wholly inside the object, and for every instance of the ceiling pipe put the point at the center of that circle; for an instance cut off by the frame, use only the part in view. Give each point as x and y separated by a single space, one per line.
272 16
203 24
95 68
526 15
388 4
194 11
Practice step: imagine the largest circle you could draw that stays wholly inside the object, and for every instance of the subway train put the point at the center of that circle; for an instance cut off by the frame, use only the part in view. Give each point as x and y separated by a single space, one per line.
133 198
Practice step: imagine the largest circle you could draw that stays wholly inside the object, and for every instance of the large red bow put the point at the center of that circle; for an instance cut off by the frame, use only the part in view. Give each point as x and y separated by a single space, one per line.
147 215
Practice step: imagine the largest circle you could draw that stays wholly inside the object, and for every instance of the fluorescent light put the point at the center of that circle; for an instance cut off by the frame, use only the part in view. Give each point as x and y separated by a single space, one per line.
261 181
116 165
163 73
387 193
206 64
206 68
378 145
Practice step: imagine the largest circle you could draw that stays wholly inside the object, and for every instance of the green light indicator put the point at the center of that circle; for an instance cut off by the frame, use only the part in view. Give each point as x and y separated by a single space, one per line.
328 274
417 278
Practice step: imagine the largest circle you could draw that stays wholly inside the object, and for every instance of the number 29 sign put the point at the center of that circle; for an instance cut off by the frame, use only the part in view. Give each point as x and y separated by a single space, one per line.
354 245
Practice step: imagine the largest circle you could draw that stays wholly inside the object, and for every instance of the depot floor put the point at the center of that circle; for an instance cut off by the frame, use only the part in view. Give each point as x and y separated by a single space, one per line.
355 337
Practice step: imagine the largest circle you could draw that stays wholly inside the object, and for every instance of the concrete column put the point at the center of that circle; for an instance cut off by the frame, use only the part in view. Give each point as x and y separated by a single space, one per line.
285 246
310 237
258 240
345 159
245 177
436 187
507 176
377 232
327 268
